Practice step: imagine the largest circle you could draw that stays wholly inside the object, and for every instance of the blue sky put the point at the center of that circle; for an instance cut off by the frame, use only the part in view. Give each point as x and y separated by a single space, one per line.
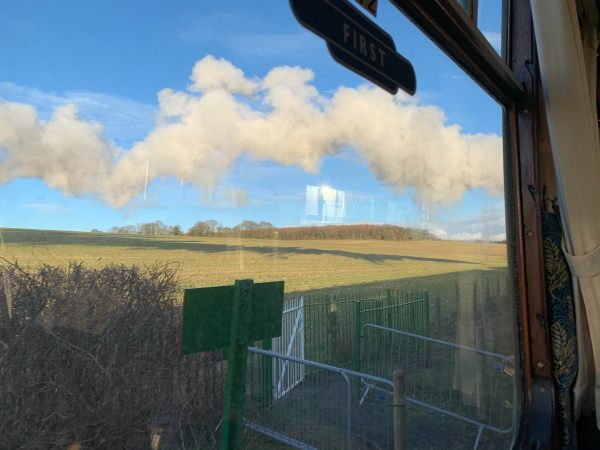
111 59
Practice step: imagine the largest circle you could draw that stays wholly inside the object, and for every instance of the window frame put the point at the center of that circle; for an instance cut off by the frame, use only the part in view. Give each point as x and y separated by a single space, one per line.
514 82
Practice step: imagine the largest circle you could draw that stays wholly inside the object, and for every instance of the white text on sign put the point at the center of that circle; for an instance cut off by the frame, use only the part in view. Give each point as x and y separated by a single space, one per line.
364 45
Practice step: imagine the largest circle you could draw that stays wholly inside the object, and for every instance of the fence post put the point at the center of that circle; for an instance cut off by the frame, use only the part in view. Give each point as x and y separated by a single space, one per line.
410 302
498 286
398 311
427 323
399 409
267 374
389 313
389 309
357 343
332 331
438 315
457 310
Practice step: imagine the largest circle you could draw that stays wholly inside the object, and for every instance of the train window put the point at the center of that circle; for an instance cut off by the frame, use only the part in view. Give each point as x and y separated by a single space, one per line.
148 148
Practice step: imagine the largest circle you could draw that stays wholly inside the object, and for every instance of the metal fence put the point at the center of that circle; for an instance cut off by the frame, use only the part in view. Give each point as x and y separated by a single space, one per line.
324 410
447 386
327 328
474 386
312 371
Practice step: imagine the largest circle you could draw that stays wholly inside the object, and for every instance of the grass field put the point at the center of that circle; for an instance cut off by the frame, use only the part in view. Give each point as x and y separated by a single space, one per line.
467 284
303 265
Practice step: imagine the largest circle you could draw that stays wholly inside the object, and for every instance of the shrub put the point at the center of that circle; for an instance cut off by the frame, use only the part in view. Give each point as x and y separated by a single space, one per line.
90 357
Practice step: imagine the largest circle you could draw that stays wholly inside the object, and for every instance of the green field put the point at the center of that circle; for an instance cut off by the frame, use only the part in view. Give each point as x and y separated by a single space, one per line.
208 261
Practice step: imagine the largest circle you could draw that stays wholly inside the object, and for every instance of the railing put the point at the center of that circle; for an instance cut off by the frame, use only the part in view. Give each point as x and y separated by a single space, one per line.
324 410
474 386
330 325
291 342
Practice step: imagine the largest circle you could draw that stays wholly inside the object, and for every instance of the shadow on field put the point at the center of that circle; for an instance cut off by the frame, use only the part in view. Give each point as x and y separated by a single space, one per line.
41 237
477 298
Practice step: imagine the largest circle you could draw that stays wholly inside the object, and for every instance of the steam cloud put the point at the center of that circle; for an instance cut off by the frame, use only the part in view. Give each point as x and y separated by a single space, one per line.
200 133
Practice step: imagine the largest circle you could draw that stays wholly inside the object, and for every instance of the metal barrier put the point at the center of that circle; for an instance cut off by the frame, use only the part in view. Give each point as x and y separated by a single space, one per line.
321 404
327 328
472 385
323 411
291 343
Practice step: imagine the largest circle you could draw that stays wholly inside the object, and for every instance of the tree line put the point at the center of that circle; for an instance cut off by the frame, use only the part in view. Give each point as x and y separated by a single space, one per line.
157 228
265 230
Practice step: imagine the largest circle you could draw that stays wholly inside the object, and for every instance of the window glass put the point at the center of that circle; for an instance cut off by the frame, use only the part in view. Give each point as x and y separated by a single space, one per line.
490 22
148 148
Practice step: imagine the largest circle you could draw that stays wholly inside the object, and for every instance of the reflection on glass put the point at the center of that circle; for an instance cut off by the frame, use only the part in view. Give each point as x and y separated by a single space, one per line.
245 154
324 205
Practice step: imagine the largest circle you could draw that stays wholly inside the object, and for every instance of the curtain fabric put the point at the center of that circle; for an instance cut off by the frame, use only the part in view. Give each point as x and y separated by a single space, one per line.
567 58
559 292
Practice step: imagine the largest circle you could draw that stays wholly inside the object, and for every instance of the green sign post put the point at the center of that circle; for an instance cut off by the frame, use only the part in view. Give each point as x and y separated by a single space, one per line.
231 317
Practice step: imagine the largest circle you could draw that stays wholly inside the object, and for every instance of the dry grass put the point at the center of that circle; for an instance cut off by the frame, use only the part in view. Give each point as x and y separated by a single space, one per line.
304 265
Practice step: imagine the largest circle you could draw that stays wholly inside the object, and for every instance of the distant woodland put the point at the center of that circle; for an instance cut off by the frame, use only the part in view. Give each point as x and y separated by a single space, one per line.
265 230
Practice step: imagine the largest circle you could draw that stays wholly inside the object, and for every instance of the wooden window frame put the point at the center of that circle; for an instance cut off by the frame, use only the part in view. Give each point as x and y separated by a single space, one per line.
514 82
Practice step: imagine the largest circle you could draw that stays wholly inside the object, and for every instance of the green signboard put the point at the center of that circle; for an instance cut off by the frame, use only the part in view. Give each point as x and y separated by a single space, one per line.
207 314
231 317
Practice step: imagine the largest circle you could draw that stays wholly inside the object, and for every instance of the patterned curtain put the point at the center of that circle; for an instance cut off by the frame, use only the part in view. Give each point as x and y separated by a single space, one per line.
559 292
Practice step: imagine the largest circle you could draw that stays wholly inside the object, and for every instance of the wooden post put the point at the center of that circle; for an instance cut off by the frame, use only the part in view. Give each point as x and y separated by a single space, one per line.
399 410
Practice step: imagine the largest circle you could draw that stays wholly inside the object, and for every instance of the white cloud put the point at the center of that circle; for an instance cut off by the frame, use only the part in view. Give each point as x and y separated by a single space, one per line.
439 232
211 73
466 237
487 225
477 237
123 119
497 237
202 132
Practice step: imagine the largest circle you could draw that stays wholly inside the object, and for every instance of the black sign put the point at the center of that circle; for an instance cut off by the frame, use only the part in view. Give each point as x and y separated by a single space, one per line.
357 43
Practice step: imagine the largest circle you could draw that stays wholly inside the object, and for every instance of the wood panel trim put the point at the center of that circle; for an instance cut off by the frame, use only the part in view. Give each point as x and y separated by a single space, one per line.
449 26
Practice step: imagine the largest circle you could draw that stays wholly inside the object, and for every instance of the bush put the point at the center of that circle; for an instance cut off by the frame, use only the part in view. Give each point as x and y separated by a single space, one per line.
90 357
